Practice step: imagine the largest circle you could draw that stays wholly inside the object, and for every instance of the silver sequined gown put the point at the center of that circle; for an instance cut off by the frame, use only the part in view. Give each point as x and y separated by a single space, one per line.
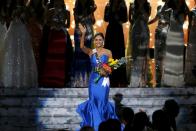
140 42
163 14
19 66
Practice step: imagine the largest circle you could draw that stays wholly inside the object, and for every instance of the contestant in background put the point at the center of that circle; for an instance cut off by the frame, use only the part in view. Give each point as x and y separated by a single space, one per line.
19 67
116 14
35 20
173 61
57 53
190 64
163 17
128 50
140 41
3 30
84 14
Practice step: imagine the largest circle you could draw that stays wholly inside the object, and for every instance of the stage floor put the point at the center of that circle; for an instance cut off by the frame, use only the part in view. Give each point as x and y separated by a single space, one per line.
38 109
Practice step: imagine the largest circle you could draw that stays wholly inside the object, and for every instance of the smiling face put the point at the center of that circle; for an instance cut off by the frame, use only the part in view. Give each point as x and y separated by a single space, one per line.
98 41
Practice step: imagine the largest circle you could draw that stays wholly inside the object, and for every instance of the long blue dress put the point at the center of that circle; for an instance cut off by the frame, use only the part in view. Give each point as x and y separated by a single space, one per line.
97 108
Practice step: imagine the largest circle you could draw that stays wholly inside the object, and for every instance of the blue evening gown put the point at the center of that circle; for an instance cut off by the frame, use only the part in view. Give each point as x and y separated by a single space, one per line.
97 108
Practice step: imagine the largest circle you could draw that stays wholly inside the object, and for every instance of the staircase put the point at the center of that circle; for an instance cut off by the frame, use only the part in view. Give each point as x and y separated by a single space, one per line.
51 109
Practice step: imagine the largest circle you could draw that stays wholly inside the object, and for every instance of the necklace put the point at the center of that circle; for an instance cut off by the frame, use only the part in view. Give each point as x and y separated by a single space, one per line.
99 51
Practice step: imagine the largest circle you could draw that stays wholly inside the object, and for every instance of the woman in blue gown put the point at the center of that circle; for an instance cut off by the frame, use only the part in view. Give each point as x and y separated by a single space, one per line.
97 108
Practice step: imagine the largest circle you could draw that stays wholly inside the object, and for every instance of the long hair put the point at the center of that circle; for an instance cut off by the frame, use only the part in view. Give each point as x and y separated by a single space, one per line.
15 8
146 6
38 9
84 7
9 7
62 3
2 7
115 4
179 6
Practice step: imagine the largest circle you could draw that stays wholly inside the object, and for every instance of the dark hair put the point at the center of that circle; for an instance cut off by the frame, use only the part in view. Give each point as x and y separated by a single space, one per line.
63 4
183 9
146 6
99 34
39 10
118 97
10 8
127 114
2 7
18 9
87 128
171 107
115 4
84 7
140 121
110 125
161 121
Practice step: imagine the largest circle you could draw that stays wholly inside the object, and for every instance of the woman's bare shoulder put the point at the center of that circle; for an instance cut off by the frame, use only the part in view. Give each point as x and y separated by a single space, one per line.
108 52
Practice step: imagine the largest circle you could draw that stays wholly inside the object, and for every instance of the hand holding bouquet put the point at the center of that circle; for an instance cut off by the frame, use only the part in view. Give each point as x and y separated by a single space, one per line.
105 69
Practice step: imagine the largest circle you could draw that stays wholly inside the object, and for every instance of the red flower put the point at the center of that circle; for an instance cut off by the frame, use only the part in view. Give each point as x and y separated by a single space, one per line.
107 68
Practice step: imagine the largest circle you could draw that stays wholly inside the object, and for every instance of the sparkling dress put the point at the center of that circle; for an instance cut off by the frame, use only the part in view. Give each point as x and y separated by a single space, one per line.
140 42
163 14
19 67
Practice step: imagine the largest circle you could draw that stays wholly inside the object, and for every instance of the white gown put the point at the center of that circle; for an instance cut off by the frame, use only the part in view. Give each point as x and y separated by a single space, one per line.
19 65
3 31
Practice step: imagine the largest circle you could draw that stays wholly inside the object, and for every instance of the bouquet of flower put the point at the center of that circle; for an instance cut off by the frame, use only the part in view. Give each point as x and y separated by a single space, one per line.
105 69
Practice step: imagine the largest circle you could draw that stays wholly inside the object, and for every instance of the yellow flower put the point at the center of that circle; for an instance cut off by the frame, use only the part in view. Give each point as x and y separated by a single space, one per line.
114 62
110 60
109 66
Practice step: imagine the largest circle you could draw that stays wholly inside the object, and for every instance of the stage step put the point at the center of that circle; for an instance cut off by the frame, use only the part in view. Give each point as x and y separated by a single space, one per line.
50 109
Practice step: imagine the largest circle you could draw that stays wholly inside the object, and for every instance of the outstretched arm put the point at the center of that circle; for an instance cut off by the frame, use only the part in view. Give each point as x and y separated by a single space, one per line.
156 17
85 49
153 20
